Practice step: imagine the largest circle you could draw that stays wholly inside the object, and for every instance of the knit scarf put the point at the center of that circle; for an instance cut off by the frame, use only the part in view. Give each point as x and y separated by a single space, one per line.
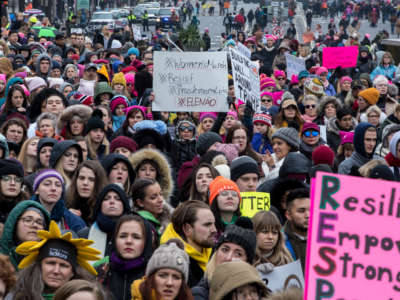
105 223
392 160
201 258
123 265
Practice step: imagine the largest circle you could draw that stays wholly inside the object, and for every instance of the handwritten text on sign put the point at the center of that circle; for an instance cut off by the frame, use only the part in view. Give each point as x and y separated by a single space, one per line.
294 65
253 202
245 77
190 81
353 240
345 57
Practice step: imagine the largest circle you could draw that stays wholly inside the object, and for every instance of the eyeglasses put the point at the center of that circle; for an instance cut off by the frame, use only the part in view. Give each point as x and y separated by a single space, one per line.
189 128
373 116
14 178
310 106
29 221
310 133
281 78
227 193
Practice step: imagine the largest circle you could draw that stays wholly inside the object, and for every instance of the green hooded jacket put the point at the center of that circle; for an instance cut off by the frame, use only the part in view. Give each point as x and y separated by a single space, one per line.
8 242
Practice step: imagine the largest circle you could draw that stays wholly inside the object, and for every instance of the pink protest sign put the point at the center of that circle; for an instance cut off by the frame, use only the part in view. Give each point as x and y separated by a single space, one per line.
333 57
353 239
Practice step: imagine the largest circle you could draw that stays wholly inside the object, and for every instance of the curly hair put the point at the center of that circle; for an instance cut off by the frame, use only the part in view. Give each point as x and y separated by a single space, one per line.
7 273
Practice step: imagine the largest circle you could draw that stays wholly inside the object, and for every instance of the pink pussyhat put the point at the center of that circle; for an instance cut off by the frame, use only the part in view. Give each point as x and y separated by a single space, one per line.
3 78
346 137
233 114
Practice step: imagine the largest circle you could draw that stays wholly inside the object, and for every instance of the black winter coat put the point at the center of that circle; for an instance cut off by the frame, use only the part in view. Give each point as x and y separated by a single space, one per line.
202 290
182 151
195 273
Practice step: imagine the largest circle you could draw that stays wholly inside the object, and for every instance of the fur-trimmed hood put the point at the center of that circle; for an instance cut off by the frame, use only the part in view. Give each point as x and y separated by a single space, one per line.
324 101
332 125
164 178
81 110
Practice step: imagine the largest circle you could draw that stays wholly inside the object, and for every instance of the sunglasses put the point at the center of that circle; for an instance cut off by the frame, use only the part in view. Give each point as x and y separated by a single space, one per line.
281 78
266 100
310 133
183 128
310 106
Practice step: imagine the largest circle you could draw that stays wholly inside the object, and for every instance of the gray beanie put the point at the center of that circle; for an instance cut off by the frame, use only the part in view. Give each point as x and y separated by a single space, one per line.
393 90
243 165
169 255
205 141
289 135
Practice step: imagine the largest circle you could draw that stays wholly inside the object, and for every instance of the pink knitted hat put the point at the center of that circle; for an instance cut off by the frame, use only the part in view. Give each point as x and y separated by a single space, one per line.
321 70
266 82
204 115
267 94
279 73
3 78
345 78
141 108
346 137
233 114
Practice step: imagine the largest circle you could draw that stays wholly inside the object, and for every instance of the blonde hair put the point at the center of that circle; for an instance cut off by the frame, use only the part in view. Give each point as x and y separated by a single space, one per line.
366 169
23 157
266 220
67 178
373 109
92 153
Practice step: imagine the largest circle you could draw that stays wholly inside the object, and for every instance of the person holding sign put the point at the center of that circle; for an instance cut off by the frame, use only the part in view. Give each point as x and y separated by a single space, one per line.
270 240
224 202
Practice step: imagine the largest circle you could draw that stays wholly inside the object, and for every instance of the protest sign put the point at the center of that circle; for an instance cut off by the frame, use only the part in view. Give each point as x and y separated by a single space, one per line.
345 57
245 77
190 81
294 65
82 4
243 49
353 243
253 202
136 32
283 277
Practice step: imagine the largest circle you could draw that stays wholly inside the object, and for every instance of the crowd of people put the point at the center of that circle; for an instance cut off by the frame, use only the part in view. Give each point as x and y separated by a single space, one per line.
103 198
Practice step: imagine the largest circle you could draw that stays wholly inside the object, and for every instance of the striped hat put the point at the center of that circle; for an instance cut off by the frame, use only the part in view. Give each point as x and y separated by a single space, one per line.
46 174
262 118
266 82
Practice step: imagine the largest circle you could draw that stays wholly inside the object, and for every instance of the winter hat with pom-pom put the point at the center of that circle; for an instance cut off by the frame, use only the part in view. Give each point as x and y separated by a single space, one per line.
323 155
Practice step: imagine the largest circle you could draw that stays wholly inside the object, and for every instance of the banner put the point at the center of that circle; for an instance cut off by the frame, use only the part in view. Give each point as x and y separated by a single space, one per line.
284 277
333 57
243 49
353 241
294 65
190 81
246 79
253 202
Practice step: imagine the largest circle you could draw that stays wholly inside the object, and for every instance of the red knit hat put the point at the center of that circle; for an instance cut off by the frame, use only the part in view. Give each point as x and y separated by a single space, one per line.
123 141
220 184
323 155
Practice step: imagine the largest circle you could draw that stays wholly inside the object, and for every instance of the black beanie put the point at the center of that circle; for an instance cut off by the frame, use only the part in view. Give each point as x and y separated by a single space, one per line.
60 249
205 141
11 167
94 123
241 233
243 165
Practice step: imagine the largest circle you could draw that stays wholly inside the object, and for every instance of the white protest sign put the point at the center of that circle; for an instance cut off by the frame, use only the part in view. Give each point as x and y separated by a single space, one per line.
246 80
243 49
136 32
294 65
322 130
190 81
285 276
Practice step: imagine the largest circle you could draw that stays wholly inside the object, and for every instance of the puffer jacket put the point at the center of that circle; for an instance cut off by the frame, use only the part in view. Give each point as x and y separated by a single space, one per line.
8 242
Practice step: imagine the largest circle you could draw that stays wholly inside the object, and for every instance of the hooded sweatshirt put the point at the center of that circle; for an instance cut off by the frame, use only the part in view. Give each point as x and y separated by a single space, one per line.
359 156
101 231
8 241
37 67
118 274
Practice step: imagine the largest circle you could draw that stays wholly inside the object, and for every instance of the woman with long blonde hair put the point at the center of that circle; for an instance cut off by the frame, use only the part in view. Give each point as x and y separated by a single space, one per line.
28 155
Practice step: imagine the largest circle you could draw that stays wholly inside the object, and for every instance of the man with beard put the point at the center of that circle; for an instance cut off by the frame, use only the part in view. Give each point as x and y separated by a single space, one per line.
296 228
194 224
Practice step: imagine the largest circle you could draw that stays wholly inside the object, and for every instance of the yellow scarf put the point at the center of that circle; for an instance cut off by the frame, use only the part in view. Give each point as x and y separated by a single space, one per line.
201 258
135 290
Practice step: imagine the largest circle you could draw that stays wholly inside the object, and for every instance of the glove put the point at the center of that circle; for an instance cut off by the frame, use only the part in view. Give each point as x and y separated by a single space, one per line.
265 268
